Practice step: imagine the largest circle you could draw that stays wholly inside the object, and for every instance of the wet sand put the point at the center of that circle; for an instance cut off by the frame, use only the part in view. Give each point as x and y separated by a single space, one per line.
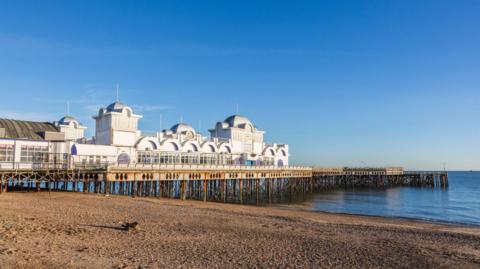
66 230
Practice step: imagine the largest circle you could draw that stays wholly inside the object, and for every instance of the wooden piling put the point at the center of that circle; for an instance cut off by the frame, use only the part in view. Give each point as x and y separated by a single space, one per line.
241 190
205 190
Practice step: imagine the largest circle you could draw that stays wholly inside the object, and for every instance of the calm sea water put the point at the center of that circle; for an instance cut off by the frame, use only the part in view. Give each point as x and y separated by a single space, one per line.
460 203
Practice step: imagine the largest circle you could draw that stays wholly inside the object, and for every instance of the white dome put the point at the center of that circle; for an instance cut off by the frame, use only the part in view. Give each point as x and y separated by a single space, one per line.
182 128
66 120
116 107
238 121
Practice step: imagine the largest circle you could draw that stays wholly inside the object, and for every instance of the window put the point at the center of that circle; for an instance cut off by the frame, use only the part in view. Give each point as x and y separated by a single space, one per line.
184 159
34 154
6 153
268 161
144 157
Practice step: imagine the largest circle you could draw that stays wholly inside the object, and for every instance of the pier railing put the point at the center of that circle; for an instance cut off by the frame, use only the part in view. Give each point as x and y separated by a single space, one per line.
205 167
6 166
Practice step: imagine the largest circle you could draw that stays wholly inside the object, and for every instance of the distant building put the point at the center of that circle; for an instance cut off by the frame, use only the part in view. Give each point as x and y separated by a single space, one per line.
117 140
72 129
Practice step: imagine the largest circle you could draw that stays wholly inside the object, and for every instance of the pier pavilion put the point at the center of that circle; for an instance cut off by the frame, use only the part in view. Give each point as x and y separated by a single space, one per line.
118 141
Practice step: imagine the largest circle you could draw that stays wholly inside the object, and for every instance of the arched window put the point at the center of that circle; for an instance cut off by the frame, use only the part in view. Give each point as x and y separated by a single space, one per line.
225 149
74 150
190 147
123 158
153 145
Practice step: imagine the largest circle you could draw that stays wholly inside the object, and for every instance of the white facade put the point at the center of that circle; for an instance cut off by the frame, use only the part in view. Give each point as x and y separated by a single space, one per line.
116 125
117 140
246 142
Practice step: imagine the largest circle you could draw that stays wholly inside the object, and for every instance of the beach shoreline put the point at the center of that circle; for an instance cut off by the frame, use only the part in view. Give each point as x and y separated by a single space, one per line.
71 230
397 218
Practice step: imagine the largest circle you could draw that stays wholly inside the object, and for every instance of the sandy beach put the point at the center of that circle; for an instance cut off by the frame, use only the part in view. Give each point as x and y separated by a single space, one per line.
66 230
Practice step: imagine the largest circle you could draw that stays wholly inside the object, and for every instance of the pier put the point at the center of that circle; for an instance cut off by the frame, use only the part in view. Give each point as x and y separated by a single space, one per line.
228 184
347 177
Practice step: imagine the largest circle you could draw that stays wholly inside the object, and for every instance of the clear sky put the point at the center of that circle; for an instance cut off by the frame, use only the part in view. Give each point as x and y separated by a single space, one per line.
343 82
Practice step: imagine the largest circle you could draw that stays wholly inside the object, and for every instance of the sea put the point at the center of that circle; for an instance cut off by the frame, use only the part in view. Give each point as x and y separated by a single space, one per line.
459 204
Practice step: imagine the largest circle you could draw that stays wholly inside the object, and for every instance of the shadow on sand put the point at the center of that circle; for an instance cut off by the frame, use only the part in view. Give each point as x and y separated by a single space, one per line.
124 227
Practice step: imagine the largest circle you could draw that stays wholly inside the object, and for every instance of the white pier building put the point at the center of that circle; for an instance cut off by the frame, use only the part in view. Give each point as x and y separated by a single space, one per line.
118 141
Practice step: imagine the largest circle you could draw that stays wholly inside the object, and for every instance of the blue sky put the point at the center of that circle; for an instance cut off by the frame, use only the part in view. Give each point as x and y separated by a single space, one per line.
343 82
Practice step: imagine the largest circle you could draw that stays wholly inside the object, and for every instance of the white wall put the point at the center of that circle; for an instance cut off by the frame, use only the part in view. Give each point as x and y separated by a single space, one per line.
117 128
71 132
123 138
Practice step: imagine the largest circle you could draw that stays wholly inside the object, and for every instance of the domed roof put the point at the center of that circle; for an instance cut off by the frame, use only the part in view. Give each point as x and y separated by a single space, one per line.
116 107
66 120
238 121
182 128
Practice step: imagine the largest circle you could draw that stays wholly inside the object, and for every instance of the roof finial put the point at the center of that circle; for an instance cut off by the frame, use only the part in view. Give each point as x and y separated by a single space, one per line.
181 118
161 122
117 92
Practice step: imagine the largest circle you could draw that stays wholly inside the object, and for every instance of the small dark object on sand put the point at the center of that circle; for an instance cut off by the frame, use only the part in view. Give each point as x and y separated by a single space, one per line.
130 226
